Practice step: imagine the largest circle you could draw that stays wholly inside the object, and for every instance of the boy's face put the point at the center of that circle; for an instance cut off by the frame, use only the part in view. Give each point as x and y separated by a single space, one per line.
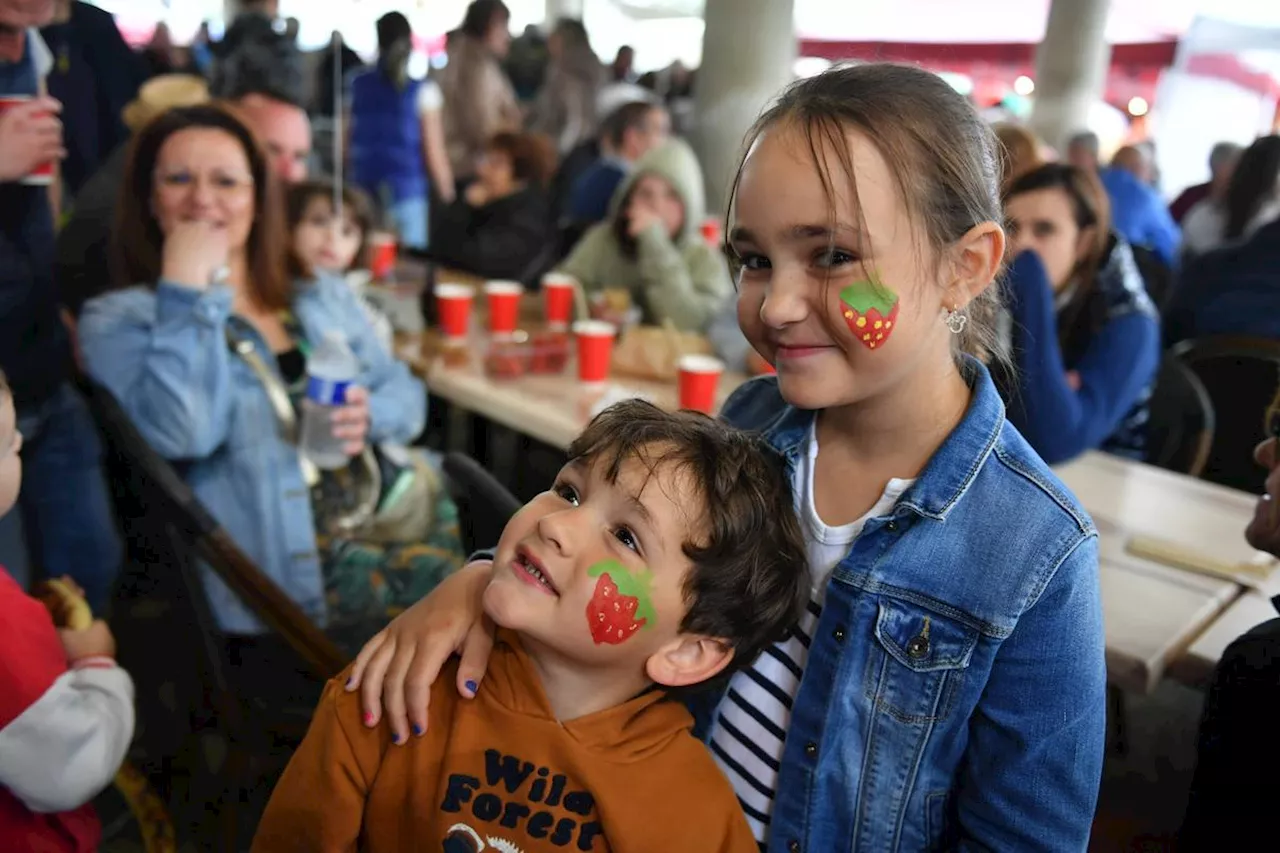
323 241
594 570
10 461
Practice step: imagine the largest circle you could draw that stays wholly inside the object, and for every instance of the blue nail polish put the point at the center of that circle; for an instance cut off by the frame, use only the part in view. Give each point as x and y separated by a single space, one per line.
395 737
349 680
471 686
417 729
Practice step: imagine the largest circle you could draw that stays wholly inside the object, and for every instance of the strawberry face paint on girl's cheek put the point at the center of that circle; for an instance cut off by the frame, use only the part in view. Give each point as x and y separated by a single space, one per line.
620 605
870 311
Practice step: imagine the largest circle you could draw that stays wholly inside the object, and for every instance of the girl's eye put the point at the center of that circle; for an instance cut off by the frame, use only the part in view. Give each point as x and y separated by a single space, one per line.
176 179
569 493
627 538
829 258
753 261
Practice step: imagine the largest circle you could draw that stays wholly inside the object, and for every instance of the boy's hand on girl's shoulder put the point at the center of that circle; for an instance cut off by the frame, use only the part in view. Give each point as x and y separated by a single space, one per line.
94 641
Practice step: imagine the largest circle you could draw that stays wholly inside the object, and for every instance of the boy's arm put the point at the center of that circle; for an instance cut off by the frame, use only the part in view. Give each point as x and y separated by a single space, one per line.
65 747
319 802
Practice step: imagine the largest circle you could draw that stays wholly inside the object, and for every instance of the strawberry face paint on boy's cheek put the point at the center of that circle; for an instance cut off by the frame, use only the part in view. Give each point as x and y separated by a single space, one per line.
620 605
870 311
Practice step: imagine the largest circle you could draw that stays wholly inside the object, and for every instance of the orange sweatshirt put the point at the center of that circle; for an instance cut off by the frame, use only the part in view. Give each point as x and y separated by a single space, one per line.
499 773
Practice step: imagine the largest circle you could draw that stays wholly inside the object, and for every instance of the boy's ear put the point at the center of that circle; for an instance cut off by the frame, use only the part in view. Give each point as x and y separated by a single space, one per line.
688 659
975 261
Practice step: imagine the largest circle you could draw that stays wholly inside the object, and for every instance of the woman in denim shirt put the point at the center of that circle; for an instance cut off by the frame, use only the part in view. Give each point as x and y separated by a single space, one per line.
199 204
945 688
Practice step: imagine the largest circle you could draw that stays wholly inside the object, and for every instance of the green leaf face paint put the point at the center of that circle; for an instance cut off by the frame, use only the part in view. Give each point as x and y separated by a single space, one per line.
620 605
870 310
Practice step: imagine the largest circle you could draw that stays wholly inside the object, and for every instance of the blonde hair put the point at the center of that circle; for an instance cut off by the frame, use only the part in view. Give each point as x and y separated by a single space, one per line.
1019 151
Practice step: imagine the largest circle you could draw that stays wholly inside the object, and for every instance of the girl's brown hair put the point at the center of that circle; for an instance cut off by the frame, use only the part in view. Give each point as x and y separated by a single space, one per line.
139 244
1090 208
355 203
942 155
532 155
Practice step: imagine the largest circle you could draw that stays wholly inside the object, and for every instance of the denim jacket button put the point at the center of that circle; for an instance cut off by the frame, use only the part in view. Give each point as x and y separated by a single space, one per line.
891 526
793 846
811 749
838 634
918 647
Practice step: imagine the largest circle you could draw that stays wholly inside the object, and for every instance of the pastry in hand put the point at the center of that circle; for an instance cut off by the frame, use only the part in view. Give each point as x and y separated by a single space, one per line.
65 603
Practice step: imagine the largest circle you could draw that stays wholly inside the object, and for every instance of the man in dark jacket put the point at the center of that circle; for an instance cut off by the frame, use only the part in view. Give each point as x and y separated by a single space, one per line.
65 508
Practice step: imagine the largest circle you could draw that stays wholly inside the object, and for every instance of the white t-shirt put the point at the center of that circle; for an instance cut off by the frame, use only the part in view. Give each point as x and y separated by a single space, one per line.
430 98
748 733
1203 226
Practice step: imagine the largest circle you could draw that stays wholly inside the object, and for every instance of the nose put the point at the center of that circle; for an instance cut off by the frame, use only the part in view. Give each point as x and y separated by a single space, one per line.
1019 241
786 300
556 530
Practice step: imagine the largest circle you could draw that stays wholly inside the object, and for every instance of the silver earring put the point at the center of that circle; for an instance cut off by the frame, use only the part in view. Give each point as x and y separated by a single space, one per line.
955 320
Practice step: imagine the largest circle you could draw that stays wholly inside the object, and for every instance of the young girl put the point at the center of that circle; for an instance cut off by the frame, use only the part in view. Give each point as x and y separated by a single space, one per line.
651 244
326 244
945 689
1086 335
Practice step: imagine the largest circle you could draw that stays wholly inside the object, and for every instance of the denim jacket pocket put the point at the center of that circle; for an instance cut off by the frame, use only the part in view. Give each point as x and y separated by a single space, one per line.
918 657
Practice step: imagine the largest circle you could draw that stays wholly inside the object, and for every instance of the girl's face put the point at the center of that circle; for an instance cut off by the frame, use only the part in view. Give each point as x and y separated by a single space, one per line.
322 241
494 172
845 306
203 174
1043 221
653 192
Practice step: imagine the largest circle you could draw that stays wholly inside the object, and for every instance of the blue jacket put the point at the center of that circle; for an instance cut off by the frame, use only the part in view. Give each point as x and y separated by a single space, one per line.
1234 290
1140 215
589 201
992 737
163 354
386 137
1113 344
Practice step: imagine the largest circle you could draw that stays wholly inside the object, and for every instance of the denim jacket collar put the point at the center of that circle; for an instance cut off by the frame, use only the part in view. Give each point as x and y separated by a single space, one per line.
954 465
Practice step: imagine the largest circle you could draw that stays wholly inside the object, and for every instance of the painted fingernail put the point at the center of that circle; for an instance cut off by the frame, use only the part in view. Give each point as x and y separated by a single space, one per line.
349 680
471 686
368 718
395 737
417 729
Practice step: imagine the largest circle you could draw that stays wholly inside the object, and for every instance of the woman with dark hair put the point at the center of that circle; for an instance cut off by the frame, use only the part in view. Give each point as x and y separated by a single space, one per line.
479 101
210 330
1252 200
566 106
1086 336
397 144
651 244
502 224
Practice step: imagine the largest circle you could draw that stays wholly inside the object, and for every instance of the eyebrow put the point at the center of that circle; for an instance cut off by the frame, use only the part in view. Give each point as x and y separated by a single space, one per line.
798 232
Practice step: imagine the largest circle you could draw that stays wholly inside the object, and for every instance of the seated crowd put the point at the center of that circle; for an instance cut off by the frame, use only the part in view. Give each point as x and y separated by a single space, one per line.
203 277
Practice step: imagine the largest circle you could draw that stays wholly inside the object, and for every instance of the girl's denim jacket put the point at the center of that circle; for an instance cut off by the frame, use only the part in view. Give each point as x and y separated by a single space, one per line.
163 353
954 696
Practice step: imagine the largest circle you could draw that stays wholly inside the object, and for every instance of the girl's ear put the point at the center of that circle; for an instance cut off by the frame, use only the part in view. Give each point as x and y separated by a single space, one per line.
976 258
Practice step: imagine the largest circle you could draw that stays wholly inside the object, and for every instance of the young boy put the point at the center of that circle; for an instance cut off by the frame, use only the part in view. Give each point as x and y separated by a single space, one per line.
666 552
66 709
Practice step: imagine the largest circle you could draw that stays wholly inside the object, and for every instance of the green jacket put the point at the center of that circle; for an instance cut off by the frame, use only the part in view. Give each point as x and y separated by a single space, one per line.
683 280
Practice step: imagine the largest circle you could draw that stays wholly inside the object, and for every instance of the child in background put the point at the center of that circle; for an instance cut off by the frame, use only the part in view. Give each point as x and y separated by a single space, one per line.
326 244
946 687
66 709
666 553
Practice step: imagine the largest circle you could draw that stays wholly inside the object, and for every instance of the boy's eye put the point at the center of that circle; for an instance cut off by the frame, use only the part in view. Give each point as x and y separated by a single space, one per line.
566 491
627 538
833 258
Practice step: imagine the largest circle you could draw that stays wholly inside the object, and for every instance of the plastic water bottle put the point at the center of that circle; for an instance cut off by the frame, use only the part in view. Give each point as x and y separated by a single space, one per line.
331 369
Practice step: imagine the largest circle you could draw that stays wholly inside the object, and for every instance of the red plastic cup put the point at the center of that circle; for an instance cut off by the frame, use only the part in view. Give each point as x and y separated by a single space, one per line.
382 255
504 306
595 349
711 231
453 308
699 379
42 175
557 299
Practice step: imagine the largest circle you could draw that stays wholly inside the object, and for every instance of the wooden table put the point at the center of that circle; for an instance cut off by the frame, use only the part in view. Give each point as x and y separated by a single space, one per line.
1153 613
550 408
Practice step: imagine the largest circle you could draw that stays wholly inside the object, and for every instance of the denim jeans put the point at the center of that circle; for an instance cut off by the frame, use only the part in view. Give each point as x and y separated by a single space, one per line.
66 510
410 216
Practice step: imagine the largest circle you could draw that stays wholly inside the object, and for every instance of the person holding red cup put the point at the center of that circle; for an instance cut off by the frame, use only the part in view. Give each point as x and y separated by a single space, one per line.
30 139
